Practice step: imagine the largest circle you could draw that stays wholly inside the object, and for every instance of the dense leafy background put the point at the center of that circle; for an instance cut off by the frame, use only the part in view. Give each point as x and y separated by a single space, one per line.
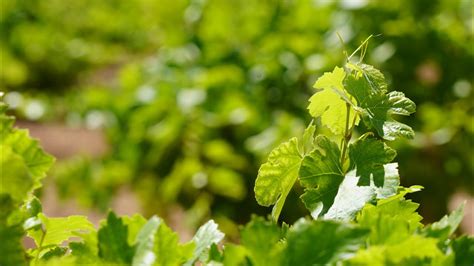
193 95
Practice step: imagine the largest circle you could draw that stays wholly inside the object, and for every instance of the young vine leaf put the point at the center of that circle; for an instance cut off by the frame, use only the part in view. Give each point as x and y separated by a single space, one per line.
321 174
276 177
368 157
377 107
328 103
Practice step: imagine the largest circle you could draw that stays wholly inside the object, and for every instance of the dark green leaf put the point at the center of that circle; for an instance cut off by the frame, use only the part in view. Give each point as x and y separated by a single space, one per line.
113 245
464 250
377 108
368 157
321 242
262 240
321 174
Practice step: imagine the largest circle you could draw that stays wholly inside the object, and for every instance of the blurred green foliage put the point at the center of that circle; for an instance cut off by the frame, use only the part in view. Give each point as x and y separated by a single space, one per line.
193 94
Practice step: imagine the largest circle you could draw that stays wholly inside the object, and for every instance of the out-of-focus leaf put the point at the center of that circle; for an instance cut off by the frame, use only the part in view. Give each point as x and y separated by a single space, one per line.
262 238
144 254
206 235
391 221
334 241
445 227
169 251
59 229
414 249
464 250
113 245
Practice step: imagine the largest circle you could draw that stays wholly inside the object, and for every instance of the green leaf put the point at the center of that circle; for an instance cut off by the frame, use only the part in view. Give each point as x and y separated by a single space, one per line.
307 145
446 226
262 241
86 251
169 251
16 180
351 198
321 174
206 235
277 176
37 161
328 103
368 157
373 76
377 107
59 229
144 255
55 252
393 220
464 250
113 245
234 255
413 249
134 224
321 242
11 235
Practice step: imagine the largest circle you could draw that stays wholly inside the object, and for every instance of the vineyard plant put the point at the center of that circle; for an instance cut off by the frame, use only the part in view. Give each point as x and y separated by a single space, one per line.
344 174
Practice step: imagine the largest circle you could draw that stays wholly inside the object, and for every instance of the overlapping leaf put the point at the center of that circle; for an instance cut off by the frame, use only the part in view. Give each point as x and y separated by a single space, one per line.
377 106
321 174
321 242
56 230
261 239
113 245
368 157
391 221
167 249
351 198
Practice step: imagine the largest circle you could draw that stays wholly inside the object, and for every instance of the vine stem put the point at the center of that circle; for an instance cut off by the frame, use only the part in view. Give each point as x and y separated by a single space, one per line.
40 247
347 135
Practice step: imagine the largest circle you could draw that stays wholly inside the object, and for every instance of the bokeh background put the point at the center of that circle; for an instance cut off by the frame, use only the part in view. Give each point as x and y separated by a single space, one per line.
169 107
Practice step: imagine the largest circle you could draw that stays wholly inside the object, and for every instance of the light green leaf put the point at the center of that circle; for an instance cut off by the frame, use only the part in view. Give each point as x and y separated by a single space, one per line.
113 245
262 238
321 242
321 174
206 235
393 220
234 255
307 145
368 157
377 107
134 224
15 178
277 176
446 226
168 250
59 229
144 255
37 161
327 102
412 249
